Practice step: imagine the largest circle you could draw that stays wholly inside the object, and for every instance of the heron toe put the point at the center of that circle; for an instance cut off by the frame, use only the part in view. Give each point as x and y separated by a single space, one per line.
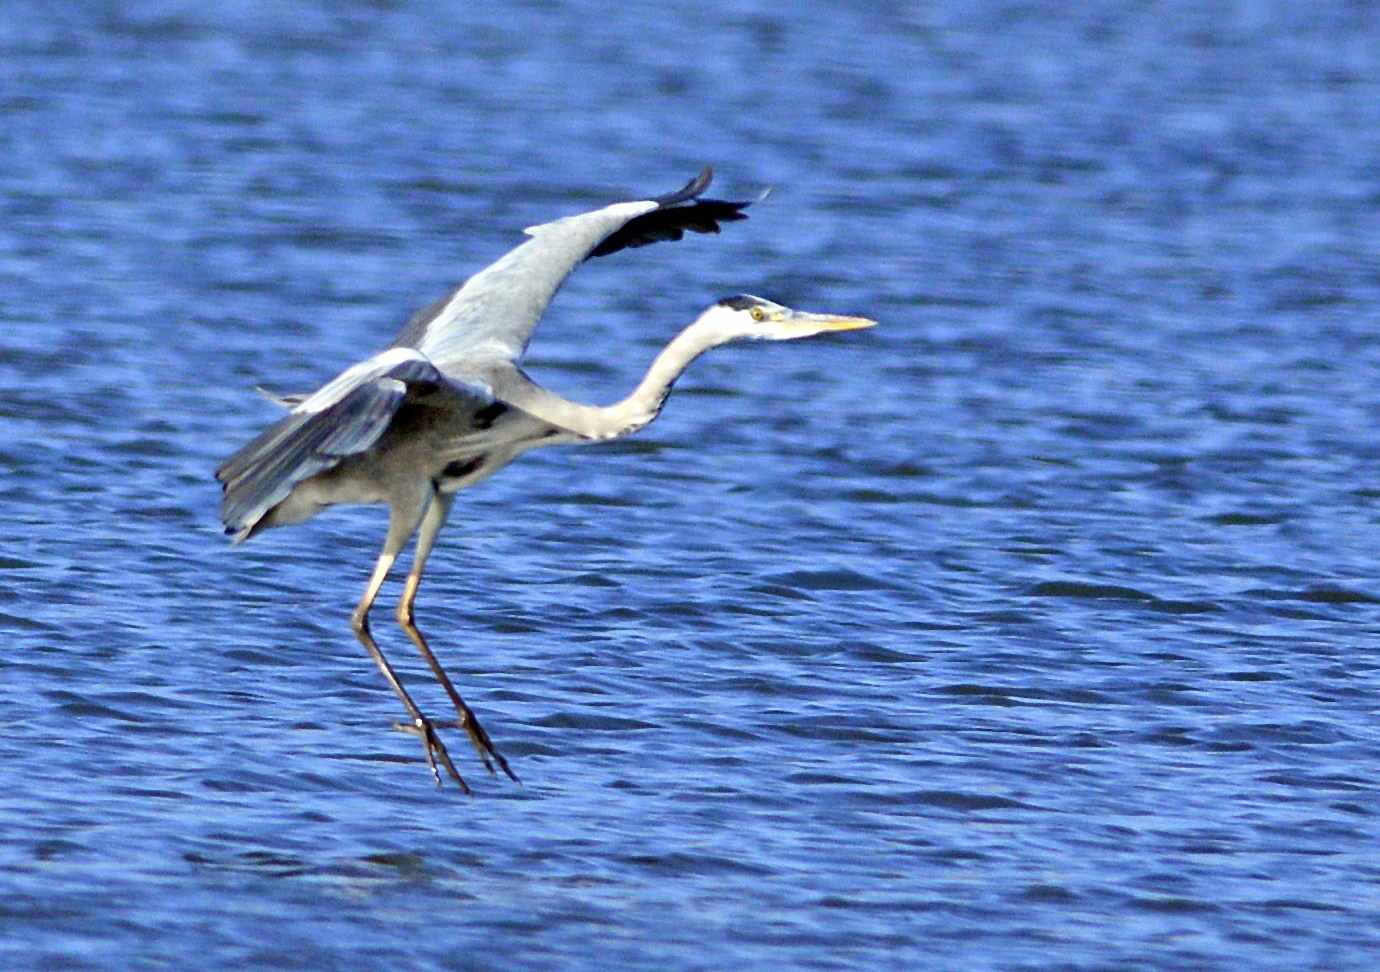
435 749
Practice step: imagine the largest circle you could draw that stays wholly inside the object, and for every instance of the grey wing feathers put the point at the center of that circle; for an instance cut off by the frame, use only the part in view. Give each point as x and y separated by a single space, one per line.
492 315
264 473
345 418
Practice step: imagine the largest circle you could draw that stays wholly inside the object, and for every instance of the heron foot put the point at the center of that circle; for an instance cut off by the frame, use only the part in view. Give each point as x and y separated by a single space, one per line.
480 739
435 750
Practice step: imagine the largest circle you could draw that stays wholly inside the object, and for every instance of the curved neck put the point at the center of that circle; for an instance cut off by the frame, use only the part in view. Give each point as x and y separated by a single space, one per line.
621 418
646 400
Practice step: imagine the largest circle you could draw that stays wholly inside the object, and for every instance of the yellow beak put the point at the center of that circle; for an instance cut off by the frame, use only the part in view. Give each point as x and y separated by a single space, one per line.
803 323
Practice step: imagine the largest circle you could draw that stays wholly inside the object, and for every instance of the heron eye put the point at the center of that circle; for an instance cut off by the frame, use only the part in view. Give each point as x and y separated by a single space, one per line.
757 314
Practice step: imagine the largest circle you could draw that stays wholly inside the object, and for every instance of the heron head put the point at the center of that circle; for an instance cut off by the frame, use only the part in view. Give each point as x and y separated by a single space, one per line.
746 316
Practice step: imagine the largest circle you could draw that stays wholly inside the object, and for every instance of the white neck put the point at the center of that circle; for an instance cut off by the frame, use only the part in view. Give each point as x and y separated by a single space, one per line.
633 412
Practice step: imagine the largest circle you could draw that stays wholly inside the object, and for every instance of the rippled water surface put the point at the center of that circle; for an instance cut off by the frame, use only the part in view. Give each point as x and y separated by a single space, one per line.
1034 629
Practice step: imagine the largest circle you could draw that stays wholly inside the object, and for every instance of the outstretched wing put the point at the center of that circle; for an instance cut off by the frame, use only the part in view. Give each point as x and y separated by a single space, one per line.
492 315
344 418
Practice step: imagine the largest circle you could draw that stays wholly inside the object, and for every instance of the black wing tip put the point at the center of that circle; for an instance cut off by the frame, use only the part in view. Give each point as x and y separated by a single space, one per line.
691 190
675 214
695 188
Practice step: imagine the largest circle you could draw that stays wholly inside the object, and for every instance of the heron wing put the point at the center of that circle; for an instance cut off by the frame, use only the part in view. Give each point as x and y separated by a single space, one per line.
491 316
344 418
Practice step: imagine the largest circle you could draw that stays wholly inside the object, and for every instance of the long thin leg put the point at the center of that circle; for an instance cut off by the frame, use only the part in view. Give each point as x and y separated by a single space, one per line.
426 536
359 620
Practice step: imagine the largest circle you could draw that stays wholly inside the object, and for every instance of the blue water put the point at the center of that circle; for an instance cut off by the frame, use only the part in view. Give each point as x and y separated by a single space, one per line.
1034 629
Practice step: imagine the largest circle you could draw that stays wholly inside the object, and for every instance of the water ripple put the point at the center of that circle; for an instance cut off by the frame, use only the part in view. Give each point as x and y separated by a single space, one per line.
1045 608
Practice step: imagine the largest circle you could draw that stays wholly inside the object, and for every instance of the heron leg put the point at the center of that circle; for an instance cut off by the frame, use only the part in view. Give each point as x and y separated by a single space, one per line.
359 620
426 537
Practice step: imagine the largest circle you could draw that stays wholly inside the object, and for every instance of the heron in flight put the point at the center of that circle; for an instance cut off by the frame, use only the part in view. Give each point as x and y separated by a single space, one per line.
446 406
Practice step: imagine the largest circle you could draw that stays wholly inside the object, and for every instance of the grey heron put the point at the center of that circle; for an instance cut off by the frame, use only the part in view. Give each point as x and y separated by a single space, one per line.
446 406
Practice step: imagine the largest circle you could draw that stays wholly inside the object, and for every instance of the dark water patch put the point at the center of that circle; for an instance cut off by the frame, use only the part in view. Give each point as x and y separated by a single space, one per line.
591 722
880 654
1329 594
1251 676
1013 696
1175 905
953 800
1049 894
686 864
1245 519
1323 782
260 863
1185 607
811 581
1090 591
26 622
